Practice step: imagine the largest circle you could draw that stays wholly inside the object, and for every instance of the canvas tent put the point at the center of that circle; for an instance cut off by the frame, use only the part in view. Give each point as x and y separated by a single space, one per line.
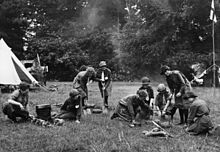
12 71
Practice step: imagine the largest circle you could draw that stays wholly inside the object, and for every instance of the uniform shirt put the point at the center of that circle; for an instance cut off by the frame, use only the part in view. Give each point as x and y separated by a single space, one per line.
197 109
177 82
71 104
19 97
80 81
150 92
133 102
107 76
162 98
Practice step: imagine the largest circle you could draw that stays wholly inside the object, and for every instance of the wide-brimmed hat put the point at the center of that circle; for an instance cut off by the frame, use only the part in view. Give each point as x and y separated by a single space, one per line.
24 86
163 69
145 80
189 94
102 63
142 93
73 93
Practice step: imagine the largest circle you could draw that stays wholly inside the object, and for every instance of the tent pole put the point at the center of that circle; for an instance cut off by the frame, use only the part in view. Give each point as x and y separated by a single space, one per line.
213 52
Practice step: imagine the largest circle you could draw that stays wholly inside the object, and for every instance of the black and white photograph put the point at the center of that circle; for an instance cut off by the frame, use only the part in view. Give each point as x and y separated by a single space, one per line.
109 76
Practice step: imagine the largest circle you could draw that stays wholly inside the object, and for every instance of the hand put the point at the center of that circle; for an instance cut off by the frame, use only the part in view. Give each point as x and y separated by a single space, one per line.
131 125
103 88
185 126
21 106
133 122
163 113
159 113
178 94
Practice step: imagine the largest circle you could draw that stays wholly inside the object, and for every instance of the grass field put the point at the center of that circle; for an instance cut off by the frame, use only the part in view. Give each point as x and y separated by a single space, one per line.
96 132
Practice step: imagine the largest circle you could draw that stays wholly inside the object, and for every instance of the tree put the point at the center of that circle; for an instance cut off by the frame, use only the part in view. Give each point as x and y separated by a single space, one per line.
13 24
67 42
162 31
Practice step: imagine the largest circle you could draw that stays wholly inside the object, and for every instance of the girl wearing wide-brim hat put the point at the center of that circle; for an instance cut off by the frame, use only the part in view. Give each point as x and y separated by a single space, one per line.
199 120
104 83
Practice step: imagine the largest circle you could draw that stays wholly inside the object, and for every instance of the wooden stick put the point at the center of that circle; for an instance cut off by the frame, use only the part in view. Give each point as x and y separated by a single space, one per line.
158 126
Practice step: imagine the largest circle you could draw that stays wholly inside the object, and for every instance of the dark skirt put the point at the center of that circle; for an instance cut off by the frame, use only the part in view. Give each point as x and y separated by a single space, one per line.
83 93
123 112
13 111
140 114
107 91
201 125
69 115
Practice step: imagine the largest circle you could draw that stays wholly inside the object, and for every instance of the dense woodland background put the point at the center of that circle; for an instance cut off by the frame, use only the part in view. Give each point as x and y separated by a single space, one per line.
134 36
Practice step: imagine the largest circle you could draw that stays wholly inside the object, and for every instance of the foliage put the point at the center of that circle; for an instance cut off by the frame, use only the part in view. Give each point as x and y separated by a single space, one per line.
13 24
177 33
62 57
134 36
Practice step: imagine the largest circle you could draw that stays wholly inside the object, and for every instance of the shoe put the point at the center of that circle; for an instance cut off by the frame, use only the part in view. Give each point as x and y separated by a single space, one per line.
77 121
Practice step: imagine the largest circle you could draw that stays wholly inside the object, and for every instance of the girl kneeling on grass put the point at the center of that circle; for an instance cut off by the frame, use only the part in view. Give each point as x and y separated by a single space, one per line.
71 109
163 101
199 120
132 108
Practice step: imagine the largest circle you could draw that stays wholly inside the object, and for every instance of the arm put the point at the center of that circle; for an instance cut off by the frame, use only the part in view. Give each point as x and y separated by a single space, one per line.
182 82
109 78
76 81
64 106
166 106
170 85
15 102
83 81
192 114
26 101
79 109
157 103
97 76
13 99
168 97
151 96
131 109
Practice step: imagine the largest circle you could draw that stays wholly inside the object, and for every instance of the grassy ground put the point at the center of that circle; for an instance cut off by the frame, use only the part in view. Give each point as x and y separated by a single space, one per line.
96 132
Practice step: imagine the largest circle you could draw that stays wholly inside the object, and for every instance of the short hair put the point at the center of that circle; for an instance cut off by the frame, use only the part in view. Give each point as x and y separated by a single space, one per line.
163 69
142 93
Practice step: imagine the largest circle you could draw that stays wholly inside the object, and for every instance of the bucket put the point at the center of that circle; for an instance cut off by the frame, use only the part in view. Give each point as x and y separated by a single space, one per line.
44 111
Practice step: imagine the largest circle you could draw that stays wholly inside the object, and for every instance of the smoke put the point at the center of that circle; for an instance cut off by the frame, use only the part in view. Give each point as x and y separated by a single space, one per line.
94 18
104 14
97 13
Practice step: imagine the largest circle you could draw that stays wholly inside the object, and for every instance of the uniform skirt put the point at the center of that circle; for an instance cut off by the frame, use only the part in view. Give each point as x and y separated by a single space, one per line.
201 125
140 114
